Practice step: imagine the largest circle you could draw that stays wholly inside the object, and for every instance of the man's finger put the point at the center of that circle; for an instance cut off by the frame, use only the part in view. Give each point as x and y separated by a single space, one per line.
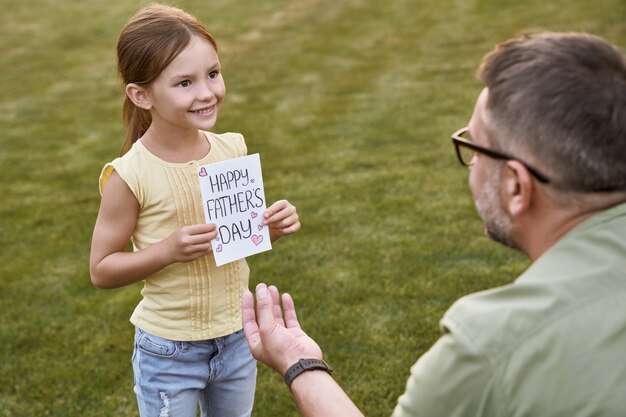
264 309
250 326
278 313
291 319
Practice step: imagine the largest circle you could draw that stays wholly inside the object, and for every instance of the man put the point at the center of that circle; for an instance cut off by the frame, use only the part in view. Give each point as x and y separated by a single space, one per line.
546 147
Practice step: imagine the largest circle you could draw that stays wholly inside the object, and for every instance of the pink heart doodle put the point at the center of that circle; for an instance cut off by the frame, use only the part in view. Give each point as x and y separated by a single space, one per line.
219 248
202 172
256 239
253 214
260 227
252 180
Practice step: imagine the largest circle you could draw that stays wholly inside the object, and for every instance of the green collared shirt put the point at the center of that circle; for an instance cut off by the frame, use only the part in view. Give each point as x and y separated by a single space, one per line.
553 343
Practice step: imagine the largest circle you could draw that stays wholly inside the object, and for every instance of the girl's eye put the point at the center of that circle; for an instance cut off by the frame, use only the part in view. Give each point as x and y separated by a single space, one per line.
214 74
185 83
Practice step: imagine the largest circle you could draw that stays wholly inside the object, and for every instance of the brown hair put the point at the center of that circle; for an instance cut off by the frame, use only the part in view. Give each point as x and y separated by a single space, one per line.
559 101
147 44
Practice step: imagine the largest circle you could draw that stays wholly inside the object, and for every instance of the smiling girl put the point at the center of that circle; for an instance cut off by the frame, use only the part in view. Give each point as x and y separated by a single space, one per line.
189 348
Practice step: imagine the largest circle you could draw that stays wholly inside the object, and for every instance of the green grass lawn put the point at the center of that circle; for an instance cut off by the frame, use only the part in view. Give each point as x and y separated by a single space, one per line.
350 104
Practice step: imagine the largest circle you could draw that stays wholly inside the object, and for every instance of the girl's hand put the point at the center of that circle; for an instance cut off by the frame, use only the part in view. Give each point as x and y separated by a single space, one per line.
282 219
190 242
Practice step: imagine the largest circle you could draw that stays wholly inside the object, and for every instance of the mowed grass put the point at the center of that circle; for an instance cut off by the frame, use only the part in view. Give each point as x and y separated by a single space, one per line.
350 104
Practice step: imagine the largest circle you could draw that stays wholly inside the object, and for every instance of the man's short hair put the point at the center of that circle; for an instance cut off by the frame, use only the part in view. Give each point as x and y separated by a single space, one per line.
558 100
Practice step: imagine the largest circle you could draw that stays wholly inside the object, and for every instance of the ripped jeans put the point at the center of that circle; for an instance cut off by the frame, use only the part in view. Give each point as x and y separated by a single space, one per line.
172 378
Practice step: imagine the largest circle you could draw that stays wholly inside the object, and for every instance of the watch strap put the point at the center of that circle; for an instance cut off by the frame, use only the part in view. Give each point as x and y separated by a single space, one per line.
304 365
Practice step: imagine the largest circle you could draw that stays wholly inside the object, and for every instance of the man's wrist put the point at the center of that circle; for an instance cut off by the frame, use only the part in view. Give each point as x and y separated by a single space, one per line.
304 365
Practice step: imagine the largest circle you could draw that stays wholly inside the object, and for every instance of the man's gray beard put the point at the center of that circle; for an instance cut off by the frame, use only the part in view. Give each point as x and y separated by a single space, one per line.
498 225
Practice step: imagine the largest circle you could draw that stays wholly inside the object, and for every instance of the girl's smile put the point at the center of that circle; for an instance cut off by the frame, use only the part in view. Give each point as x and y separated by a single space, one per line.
205 111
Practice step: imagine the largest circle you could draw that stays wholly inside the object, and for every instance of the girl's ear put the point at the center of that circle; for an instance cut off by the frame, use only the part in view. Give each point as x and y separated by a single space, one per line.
139 96
518 188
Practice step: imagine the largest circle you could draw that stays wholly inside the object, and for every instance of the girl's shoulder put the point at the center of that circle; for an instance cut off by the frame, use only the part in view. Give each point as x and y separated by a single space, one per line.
228 144
123 165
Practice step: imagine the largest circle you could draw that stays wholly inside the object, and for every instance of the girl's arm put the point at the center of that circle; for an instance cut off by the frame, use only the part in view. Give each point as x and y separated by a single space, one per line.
282 219
111 266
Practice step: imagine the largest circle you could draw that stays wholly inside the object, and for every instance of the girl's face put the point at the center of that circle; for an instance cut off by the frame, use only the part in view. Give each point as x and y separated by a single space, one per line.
190 91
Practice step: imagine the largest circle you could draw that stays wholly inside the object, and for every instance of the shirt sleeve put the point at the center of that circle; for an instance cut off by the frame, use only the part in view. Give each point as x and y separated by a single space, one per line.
104 176
130 177
242 149
451 379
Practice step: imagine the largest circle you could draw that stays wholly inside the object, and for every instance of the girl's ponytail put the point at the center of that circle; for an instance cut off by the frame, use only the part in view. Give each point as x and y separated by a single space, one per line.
136 122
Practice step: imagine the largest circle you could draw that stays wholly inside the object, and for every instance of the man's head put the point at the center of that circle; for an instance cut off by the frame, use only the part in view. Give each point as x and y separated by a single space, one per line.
548 135
558 101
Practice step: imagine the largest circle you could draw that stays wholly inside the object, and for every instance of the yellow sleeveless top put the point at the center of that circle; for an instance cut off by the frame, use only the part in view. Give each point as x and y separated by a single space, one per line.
184 301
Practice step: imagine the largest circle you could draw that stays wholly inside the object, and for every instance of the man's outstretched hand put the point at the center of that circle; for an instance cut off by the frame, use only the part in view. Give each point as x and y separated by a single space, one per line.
274 335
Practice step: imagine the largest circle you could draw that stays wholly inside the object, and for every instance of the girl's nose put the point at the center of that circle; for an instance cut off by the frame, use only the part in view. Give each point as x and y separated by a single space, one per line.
205 92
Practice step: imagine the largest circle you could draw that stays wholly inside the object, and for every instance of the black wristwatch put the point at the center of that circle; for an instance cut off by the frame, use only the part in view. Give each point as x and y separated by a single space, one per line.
305 365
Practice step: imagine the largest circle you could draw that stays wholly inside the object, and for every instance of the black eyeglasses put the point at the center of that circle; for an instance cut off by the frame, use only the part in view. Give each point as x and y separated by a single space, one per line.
466 150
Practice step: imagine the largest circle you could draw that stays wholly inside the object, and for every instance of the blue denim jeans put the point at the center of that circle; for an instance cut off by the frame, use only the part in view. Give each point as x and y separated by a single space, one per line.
172 378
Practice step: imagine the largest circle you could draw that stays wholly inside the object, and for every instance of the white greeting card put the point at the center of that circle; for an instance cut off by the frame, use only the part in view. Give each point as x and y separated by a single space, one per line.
233 199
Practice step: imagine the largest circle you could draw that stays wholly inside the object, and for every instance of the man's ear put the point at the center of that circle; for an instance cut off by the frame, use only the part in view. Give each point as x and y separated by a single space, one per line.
518 188
139 95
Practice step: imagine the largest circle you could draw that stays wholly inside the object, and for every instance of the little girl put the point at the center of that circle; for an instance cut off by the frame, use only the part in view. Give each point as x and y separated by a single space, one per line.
189 348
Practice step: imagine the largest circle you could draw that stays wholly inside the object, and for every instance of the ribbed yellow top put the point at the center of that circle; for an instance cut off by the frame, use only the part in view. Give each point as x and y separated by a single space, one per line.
185 301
